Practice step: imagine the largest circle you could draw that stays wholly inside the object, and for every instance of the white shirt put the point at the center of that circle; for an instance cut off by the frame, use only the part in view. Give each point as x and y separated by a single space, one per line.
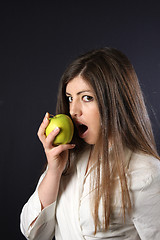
69 218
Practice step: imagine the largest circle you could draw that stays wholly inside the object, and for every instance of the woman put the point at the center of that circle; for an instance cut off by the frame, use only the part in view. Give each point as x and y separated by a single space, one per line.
106 184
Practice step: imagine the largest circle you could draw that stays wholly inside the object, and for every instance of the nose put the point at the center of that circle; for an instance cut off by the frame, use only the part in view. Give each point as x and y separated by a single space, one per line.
75 109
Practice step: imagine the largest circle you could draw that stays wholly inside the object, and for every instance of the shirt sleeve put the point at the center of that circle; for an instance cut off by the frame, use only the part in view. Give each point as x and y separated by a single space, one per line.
146 215
43 227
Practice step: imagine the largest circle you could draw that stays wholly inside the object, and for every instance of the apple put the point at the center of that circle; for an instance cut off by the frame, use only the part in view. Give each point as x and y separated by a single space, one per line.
66 126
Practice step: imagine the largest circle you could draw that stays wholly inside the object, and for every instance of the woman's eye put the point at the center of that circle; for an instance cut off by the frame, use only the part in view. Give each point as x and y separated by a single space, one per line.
70 99
87 98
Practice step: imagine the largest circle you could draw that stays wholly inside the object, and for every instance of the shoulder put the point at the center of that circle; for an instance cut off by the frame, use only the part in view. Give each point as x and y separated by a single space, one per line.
143 170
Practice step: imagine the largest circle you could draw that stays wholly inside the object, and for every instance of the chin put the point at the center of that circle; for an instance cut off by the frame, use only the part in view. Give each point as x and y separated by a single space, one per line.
90 141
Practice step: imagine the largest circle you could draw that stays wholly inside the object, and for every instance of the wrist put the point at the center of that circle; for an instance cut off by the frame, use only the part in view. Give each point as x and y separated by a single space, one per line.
55 174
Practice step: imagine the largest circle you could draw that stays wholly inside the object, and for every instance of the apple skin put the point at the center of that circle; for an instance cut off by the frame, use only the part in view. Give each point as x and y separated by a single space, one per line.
66 126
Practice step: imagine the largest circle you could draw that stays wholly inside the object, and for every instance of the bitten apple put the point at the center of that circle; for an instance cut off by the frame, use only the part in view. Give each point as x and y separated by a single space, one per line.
66 126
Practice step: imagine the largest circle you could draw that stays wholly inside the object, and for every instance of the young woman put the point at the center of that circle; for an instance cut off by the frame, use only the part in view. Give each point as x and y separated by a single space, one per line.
106 183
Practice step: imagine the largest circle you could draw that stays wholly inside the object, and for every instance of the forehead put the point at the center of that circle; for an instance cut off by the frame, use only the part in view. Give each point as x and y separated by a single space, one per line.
78 84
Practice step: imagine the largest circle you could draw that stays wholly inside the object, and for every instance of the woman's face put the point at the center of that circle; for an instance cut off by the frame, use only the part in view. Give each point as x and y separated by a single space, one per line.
84 110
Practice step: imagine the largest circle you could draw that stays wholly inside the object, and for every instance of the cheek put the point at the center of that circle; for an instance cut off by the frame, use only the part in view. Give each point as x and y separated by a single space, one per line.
93 116
96 120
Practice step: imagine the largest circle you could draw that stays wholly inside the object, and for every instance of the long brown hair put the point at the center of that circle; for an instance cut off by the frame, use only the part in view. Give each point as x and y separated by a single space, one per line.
124 118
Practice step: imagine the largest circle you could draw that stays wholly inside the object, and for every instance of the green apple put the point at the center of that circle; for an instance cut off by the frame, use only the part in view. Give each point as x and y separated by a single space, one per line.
66 126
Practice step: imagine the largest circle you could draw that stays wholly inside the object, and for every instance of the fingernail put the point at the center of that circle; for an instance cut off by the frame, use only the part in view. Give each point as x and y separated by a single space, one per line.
46 116
56 129
73 145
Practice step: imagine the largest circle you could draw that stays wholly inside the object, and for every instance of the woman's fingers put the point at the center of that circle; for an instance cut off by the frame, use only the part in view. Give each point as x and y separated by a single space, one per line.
61 148
56 155
47 141
50 138
41 131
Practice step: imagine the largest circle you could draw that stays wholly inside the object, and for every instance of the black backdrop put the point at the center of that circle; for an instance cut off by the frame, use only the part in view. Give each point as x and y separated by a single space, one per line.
37 41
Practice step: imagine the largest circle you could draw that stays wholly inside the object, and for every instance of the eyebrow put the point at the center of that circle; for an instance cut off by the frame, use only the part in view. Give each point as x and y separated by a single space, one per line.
83 91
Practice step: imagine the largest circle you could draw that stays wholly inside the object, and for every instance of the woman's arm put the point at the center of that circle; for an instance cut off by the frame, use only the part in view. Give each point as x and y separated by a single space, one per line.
33 217
40 209
57 158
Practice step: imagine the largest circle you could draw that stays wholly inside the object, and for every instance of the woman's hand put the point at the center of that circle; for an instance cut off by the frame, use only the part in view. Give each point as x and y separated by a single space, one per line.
57 156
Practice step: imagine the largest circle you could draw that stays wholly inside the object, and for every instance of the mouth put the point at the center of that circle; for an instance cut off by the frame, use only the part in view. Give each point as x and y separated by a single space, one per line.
82 130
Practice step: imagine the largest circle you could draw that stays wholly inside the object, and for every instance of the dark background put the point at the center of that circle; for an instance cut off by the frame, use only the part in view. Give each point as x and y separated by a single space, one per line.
38 40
